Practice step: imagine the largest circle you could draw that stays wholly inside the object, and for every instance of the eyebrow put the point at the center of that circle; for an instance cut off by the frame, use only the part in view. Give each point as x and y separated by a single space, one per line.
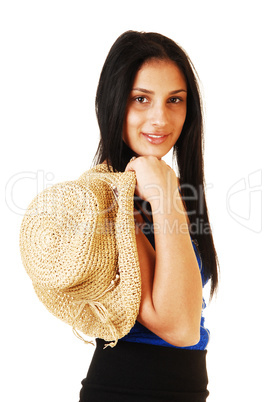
146 91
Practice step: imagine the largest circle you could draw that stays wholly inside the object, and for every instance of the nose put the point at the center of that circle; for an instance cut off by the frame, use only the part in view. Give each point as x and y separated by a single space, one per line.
159 115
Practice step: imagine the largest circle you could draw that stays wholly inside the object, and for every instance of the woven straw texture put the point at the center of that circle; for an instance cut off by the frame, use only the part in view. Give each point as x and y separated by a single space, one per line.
78 245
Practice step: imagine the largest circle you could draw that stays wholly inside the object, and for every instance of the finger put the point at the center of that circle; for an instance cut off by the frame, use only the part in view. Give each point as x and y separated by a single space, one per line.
166 164
129 164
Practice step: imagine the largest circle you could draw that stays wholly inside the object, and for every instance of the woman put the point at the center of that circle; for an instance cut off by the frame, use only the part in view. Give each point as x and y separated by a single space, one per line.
148 103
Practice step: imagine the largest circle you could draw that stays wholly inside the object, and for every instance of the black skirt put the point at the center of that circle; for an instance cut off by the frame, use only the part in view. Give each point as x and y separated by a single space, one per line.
138 372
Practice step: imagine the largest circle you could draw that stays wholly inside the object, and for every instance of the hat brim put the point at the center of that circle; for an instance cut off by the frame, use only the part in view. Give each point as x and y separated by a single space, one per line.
104 314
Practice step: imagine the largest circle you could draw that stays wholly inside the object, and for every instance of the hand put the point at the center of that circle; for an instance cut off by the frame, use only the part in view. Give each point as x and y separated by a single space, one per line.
154 178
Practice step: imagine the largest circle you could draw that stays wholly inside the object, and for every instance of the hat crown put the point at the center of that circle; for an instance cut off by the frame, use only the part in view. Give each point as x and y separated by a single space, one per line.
72 223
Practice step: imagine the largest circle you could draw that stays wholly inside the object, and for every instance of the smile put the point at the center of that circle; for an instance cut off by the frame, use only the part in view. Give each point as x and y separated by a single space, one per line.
155 138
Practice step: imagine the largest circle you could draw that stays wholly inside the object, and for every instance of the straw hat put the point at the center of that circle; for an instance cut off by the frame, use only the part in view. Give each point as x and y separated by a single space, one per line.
78 245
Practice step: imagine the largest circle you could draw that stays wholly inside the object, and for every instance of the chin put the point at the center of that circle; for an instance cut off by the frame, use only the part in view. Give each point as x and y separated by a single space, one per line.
144 151
158 155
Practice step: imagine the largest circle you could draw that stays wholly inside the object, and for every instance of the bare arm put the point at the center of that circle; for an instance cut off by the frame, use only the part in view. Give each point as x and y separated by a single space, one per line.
171 282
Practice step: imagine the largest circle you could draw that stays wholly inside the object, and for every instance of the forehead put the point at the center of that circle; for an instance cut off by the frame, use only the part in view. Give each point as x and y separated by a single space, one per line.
160 73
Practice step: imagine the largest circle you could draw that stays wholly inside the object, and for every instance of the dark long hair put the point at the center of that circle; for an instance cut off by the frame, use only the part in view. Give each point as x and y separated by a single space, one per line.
125 58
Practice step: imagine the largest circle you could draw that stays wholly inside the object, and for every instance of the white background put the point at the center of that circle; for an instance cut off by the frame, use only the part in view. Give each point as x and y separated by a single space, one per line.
52 53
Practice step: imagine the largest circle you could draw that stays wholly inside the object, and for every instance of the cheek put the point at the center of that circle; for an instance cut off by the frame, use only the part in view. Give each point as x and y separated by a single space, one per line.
132 123
128 126
179 119
133 119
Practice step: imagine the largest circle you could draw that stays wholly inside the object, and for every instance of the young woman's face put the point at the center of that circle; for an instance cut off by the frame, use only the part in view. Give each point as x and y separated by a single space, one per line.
156 109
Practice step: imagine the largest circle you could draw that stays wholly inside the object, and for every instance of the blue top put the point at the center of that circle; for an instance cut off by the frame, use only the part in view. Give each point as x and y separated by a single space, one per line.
141 334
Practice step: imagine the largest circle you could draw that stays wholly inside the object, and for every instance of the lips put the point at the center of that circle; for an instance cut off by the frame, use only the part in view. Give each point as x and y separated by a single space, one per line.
155 138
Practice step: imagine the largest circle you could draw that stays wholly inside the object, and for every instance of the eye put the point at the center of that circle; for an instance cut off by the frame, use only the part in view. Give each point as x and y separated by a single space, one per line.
175 100
141 99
